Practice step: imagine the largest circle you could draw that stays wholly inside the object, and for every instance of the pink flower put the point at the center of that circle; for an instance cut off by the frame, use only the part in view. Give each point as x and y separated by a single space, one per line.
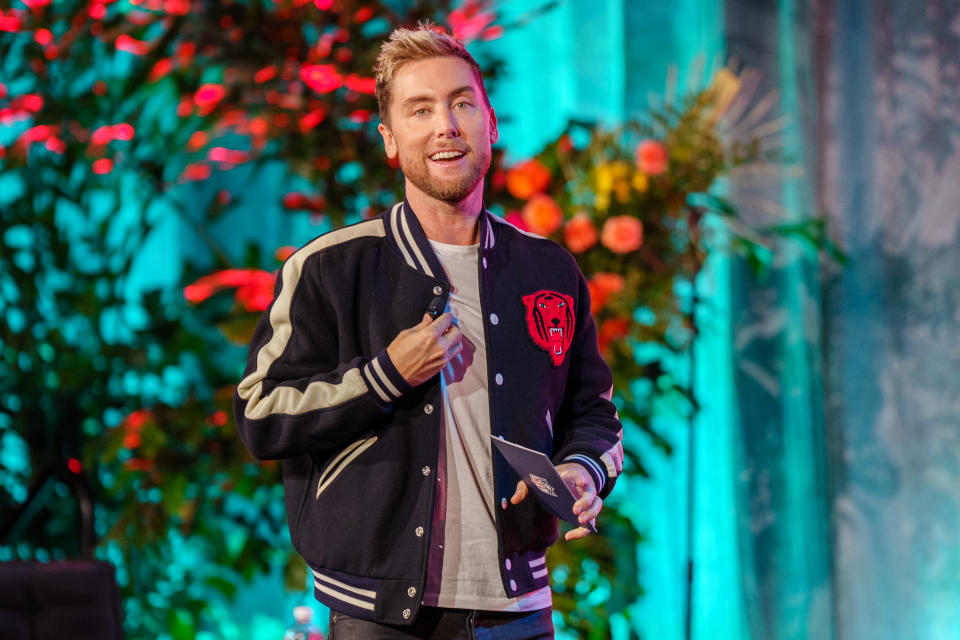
322 78
622 234
652 157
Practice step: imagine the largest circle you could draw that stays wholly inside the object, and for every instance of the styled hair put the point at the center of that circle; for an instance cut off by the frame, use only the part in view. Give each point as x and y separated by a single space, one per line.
410 45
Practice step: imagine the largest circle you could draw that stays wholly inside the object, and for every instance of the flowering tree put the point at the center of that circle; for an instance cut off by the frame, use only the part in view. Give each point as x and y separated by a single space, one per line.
108 108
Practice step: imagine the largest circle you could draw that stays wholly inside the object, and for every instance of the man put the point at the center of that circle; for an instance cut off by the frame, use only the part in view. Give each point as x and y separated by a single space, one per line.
412 525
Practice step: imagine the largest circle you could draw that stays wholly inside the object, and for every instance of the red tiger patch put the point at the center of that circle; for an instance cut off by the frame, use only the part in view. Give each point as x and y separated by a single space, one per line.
550 322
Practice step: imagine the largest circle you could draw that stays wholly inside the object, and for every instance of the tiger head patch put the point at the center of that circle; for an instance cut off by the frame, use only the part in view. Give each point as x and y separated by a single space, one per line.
550 323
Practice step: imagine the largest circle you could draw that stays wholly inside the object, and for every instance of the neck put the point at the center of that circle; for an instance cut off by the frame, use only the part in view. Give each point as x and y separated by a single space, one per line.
447 222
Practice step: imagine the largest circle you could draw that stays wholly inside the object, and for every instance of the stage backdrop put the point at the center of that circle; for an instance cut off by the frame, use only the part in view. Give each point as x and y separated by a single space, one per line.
826 472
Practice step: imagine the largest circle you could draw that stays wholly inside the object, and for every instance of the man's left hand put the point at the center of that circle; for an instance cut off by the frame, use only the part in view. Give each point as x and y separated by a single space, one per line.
588 504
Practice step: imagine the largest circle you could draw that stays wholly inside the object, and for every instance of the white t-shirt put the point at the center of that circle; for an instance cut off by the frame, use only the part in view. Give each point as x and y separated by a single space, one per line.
464 536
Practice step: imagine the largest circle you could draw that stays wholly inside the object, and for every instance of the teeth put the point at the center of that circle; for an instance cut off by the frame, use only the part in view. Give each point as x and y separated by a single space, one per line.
556 332
446 155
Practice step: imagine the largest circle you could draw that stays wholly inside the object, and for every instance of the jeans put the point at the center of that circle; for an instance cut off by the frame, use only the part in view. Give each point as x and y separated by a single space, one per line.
449 624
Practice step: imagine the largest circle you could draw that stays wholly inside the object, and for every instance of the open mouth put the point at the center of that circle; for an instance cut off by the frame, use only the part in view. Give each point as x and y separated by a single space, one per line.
556 338
447 156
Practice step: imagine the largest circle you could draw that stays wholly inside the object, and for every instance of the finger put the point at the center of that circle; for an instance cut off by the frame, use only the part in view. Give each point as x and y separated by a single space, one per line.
587 496
442 322
576 534
590 511
424 321
520 494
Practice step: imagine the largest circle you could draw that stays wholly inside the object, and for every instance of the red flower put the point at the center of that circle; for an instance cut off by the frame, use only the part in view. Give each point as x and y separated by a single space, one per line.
361 84
622 234
322 78
254 287
468 21
102 166
32 102
10 22
652 157
207 97
132 45
196 171
43 36
265 75
160 69
527 178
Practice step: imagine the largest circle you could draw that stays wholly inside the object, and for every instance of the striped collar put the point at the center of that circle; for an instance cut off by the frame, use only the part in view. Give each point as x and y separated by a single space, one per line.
404 230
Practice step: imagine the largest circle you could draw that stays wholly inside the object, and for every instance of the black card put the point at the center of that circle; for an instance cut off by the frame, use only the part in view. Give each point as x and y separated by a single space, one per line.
542 479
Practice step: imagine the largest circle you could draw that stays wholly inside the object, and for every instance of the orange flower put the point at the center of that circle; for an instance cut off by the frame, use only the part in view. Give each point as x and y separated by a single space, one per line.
527 178
652 157
580 234
602 286
622 234
610 331
542 215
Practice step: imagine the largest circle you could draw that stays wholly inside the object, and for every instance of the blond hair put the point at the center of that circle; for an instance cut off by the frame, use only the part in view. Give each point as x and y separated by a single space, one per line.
410 45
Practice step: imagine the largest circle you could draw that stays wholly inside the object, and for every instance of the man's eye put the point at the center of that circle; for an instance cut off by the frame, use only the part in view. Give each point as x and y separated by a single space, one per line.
421 111
461 104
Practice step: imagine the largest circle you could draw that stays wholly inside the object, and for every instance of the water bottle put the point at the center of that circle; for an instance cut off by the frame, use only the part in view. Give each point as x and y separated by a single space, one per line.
303 628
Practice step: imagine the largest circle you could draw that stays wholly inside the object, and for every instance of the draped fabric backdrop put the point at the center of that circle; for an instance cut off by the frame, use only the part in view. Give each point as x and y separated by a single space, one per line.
826 471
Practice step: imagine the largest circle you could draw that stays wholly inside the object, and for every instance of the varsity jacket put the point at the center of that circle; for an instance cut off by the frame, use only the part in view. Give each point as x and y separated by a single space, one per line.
360 445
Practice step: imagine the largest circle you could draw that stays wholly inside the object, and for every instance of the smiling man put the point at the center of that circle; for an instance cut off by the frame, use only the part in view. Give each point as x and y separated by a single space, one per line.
395 347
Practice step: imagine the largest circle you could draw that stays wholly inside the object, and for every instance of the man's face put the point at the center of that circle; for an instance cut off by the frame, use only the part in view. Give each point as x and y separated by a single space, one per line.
440 128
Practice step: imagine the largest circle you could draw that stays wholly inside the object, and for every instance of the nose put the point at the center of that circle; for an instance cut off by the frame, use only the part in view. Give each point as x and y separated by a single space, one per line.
447 124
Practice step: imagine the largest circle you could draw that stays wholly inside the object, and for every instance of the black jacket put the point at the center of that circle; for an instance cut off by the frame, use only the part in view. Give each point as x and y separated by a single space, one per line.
360 445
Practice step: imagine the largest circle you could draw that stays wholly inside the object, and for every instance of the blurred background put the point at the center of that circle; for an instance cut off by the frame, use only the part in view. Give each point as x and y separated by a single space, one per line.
765 197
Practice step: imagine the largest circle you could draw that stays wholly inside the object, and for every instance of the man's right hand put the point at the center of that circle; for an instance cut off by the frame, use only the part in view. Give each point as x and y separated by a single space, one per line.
421 351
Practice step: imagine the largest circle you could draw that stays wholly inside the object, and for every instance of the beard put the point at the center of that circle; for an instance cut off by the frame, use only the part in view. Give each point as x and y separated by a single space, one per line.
453 189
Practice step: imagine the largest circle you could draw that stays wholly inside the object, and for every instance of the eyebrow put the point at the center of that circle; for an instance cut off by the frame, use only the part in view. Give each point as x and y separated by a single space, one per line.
426 98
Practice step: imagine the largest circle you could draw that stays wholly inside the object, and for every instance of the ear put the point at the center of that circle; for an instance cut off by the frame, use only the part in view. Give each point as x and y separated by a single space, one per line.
494 134
389 143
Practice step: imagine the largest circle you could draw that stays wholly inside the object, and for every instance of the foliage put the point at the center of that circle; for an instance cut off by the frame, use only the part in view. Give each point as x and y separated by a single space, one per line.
108 109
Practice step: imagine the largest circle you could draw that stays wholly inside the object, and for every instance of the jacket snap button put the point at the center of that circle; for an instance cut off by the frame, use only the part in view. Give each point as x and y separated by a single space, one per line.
494 319
426 471
499 379
406 614
419 532
508 564
513 585
428 409
437 290
484 263
503 503
412 591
